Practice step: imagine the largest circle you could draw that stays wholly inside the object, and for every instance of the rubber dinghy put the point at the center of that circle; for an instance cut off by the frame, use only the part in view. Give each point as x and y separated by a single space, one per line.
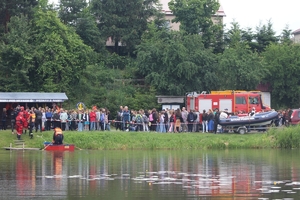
259 119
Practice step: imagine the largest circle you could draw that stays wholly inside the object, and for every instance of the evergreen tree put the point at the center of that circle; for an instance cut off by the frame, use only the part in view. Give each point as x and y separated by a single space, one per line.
123 21
10 8
264 36
70 11
195 17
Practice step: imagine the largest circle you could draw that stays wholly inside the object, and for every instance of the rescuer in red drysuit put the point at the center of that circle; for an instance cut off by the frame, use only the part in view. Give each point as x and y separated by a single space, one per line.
19 124
25 118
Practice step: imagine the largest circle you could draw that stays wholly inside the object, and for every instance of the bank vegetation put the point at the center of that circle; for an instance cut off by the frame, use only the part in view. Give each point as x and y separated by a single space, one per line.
284 138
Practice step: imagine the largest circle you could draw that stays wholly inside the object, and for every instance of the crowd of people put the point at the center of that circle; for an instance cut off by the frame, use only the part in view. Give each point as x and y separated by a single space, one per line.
167 120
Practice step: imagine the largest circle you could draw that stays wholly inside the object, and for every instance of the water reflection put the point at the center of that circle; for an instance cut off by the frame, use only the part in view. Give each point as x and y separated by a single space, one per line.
240 174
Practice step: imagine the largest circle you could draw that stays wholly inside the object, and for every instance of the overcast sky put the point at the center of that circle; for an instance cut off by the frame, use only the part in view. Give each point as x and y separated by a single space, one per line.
249 13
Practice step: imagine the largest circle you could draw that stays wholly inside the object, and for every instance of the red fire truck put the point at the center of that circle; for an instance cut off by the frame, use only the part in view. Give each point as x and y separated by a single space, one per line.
234 101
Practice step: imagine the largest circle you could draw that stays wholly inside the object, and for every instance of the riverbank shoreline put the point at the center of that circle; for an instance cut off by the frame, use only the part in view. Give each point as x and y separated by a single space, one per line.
119 140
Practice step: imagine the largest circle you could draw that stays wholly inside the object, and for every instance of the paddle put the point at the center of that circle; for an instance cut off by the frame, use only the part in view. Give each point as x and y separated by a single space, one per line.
78 148
46 146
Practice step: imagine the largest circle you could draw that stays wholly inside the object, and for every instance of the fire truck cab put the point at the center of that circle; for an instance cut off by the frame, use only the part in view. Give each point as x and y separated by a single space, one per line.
234 101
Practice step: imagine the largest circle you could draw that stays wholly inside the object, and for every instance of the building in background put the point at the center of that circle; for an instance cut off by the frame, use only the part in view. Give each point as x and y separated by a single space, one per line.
296 38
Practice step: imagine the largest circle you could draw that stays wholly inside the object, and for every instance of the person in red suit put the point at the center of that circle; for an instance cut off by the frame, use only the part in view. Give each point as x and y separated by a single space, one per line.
25 119
19 124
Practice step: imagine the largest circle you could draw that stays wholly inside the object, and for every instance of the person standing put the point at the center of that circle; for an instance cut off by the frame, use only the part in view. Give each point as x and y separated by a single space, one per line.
93 119
19 123
190 120
3 118
210 119
63 119
13 115
32 118
204 122
86 119
56 119
172 121
38 119
177 122
184 114
125 118
79 119
216 120
48 119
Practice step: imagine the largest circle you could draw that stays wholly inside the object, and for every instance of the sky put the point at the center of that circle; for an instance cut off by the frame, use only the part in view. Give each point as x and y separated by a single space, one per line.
250 13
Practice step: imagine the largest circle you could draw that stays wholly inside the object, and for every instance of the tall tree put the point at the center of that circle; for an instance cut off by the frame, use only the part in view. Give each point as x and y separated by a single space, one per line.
16 56
195 17
264 36
60 55
284 66
286 36
123 21
42 54
10 8
240 68
175 63
71 10
86 28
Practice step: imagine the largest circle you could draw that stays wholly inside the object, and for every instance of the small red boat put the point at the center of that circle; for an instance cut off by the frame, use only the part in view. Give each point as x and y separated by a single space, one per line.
48 146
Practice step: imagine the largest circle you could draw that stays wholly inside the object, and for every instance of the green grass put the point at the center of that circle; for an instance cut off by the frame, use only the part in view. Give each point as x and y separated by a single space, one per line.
274 138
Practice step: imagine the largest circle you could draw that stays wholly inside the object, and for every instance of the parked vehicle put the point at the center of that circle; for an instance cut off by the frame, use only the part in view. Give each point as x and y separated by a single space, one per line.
233 101
242 124
295 117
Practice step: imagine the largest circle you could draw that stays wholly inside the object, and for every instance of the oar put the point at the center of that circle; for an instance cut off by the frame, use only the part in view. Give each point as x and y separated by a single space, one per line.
46 146
78 148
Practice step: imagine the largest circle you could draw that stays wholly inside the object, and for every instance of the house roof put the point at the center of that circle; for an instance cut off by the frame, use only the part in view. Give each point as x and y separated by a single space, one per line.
296 32
32 97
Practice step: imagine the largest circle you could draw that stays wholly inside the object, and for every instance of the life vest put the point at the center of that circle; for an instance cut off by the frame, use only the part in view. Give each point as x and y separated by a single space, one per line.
58 131
32 117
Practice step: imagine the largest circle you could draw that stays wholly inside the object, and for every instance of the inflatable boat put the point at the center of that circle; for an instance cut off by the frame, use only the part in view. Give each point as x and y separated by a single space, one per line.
259 119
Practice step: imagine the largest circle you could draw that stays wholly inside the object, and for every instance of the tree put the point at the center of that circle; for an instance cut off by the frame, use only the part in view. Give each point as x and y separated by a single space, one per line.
264 36
71 10
286 36
195 17
123 21
86 28
42 54
175 63
16 56
240 68
10 8
284 66
60 55
237 35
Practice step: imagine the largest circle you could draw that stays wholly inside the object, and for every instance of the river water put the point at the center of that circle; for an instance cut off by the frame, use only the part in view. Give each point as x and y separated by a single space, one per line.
160 174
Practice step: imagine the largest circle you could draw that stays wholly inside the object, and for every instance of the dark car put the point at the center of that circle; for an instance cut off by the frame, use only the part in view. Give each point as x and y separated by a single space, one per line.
295 117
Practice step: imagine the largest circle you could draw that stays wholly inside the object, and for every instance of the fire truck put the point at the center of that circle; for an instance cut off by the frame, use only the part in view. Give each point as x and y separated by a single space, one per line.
234 101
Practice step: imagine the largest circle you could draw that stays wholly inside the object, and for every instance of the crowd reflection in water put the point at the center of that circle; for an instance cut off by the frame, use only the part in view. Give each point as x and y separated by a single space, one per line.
194 174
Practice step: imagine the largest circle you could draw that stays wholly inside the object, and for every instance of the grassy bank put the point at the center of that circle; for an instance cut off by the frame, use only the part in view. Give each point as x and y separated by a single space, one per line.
274 138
